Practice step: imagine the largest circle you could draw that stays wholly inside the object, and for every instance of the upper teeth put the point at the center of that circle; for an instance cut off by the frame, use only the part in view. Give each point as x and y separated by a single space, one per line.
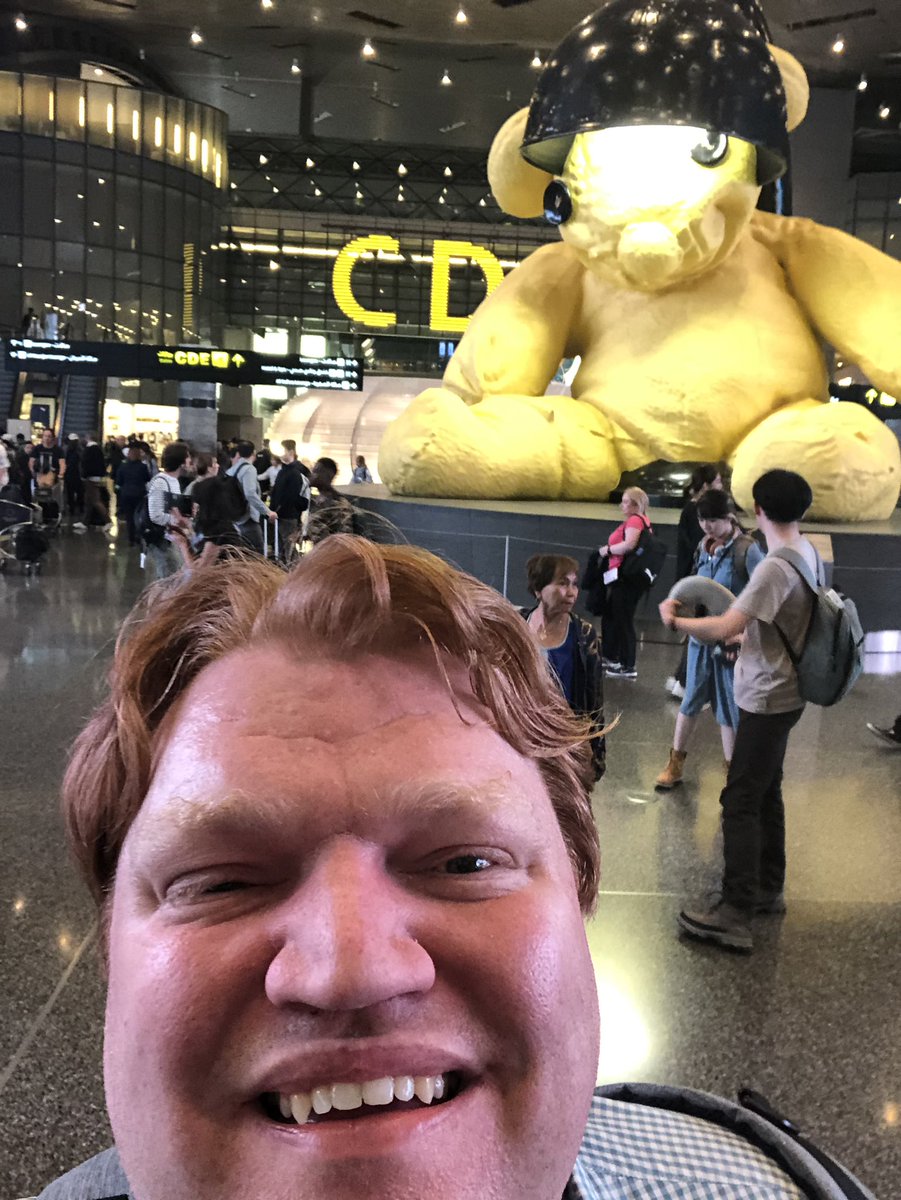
347 1096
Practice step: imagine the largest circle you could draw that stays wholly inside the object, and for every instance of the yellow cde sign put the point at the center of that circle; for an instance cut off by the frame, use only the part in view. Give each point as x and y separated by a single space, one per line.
445 255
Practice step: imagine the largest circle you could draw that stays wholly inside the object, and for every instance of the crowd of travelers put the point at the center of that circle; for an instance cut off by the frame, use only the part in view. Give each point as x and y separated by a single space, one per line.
182 503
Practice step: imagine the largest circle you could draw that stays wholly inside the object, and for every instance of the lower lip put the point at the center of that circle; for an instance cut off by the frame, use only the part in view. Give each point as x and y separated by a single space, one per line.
373 1136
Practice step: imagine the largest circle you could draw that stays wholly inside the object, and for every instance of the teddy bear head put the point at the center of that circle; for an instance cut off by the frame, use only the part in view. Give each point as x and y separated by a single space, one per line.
652 130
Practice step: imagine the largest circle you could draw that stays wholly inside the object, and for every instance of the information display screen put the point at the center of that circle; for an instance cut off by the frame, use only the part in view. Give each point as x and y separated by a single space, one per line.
203 364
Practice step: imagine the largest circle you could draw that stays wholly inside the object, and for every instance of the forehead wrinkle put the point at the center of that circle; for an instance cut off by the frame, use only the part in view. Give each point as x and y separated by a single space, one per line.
238 813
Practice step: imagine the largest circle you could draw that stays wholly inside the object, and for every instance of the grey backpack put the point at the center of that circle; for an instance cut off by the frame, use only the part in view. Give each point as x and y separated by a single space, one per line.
815 1173
831 657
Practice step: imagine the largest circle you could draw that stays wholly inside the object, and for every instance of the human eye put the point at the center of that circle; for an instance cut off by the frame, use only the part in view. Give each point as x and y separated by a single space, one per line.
467 864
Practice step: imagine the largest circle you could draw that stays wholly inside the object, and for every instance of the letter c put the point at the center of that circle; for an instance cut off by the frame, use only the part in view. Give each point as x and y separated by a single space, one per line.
341 279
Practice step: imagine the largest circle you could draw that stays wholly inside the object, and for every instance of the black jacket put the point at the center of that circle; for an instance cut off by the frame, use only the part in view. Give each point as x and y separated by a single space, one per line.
588 685
93 464
290 497
687 538
132 478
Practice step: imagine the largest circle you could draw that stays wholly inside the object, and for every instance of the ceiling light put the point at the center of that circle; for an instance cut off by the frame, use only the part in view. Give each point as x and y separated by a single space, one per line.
196 36
267 3
446 80
316 192
273 265
359 194
310 164
98 70
536 64
400 197
448 173
401 170
482 203
885 112
263 160
355 165
862 86
21 23
295 67
461 17
838 46
368 50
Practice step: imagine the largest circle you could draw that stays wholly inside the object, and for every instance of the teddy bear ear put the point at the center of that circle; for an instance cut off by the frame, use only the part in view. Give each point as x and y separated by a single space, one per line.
797 87
518 187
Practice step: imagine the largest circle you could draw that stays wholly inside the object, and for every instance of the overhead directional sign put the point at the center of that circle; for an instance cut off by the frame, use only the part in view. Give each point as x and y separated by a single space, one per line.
204 364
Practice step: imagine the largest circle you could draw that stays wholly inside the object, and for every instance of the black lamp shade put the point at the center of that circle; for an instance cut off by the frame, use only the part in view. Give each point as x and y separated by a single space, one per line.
703 63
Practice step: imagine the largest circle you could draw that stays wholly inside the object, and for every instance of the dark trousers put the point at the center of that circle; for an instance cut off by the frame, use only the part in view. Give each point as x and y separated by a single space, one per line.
252 533
127 508
620 640
753 812
95 511
74 490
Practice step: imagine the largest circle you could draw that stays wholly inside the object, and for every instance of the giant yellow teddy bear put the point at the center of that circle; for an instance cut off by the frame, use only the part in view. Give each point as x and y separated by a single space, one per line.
699 318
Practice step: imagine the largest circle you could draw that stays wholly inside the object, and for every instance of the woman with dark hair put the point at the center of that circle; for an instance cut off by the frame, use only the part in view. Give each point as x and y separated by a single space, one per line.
218 503
569 643
728 556
703 478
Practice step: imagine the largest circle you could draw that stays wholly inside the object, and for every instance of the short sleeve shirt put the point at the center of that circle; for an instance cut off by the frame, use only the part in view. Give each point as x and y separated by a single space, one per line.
765 679
619 534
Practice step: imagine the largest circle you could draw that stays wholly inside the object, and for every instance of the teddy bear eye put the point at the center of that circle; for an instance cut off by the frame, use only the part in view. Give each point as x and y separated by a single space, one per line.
712 150
558 205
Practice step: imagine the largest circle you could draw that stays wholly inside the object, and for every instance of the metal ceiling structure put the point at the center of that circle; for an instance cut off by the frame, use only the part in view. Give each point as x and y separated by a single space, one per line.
279 67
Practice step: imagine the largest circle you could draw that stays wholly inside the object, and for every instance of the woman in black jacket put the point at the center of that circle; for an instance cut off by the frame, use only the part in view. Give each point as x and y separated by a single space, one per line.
570 644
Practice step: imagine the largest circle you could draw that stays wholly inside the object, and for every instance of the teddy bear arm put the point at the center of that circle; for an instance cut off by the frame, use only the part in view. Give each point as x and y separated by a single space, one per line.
851 294
521 332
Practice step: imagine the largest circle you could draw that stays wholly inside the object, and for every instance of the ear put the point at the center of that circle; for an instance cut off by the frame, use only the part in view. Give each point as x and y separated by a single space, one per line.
518 187
797 87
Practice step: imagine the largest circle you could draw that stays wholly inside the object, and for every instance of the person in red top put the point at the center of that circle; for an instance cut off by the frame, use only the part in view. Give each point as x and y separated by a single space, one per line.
623 594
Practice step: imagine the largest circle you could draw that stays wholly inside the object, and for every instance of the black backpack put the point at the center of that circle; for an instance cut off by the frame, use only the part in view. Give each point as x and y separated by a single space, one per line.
646 561
148 531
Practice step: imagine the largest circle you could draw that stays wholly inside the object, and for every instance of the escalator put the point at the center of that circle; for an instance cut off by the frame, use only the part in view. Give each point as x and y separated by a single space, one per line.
81 403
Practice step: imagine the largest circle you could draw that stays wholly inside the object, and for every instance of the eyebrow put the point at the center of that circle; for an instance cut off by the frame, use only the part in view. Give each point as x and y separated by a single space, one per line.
239 814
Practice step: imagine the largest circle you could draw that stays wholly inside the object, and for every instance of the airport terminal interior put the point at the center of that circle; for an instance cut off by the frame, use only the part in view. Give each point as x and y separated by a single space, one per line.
272 222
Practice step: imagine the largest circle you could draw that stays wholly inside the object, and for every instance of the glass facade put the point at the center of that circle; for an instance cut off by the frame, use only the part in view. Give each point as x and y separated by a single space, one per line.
403 279
875 211
101 206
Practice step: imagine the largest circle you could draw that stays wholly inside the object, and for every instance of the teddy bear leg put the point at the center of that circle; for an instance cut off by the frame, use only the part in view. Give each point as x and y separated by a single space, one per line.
850 459
502 447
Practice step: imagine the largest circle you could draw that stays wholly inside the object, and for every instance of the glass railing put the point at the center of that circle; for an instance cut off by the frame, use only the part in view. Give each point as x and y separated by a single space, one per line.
166 129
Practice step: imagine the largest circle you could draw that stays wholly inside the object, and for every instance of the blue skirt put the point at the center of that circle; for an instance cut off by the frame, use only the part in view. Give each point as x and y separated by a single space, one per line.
709 680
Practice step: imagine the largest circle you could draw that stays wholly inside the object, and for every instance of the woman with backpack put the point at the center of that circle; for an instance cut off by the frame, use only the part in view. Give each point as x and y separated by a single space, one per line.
728 556
623 592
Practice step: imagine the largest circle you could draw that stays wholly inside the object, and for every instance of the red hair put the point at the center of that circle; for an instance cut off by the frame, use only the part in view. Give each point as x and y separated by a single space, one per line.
353 596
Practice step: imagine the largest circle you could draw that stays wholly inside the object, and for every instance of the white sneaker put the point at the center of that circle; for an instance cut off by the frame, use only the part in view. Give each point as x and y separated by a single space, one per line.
670 683
79 527
107 527
677 691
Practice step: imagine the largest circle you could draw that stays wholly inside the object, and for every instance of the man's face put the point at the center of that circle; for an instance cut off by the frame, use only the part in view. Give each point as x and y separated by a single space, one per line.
345 894
47 438
321 476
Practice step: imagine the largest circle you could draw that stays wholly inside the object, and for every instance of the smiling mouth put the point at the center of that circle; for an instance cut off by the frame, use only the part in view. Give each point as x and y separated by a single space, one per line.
350 1101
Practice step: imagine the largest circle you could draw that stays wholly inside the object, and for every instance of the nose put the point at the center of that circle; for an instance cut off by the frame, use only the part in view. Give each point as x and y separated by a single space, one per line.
649 253
343 938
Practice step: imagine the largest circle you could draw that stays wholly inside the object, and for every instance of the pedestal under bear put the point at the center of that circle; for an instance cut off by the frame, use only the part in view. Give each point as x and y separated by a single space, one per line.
699 318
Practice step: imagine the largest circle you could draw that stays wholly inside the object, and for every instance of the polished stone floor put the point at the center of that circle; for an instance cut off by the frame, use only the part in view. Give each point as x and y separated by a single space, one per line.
812 1019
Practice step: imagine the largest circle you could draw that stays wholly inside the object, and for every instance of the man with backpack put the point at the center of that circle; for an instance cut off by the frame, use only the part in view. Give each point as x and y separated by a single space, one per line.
162 513
244 471
774 609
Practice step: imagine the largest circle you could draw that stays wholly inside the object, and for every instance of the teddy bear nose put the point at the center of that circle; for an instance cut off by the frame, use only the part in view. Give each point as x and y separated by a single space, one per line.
649 253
